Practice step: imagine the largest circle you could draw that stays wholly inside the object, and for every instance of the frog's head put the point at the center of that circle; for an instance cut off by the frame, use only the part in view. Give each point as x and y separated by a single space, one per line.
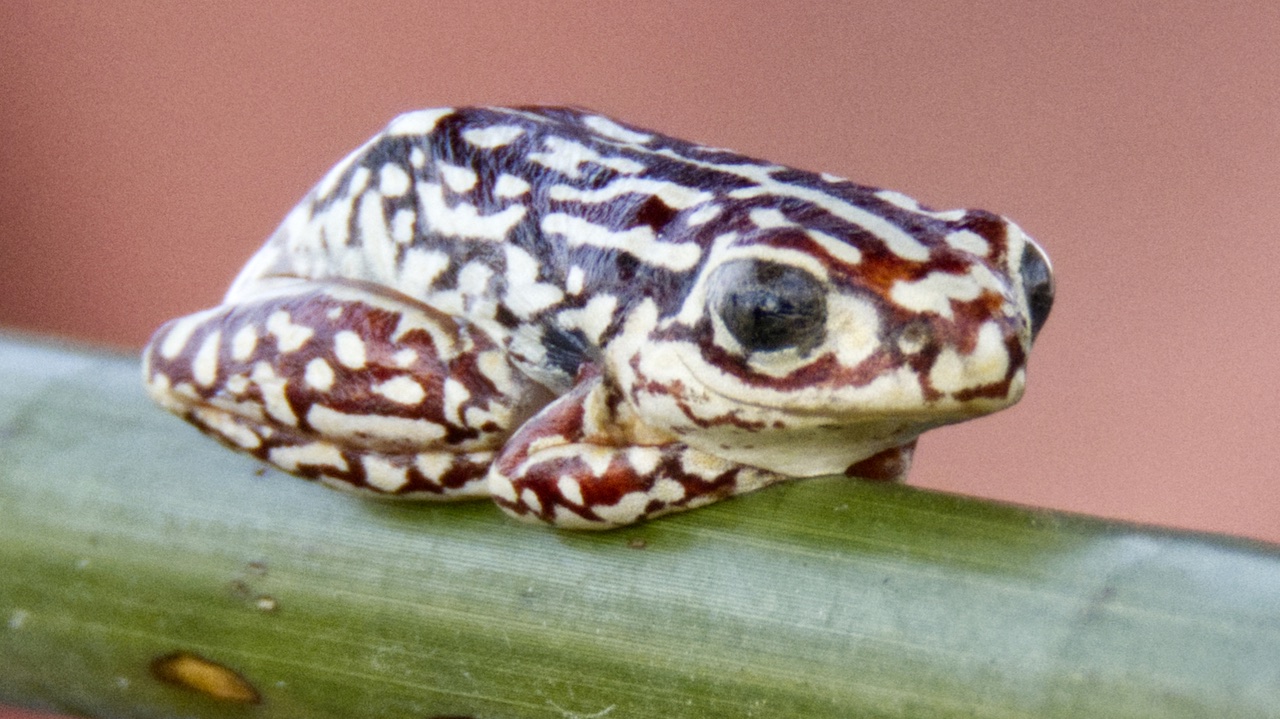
806 345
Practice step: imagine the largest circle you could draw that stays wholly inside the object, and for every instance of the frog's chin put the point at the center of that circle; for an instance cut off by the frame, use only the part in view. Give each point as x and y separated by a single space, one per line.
807 454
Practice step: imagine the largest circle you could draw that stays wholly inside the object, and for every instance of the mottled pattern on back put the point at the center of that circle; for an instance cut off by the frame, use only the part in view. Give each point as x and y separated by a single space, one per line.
711 323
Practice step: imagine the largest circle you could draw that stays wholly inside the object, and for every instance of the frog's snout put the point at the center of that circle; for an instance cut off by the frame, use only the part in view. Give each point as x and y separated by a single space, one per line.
1037 284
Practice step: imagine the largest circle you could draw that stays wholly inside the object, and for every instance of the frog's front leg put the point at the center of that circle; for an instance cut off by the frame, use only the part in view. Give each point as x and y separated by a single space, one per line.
349 384
577 464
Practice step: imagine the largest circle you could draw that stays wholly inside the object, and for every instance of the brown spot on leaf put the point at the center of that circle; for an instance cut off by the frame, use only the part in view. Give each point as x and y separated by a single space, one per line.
194 672
239 589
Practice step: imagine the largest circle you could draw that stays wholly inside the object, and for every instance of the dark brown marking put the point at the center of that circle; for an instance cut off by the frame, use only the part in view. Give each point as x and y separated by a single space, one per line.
506 317
890 465
655 213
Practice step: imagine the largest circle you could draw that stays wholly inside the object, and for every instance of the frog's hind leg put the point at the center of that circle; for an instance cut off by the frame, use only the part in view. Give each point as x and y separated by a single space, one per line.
576 464
348 384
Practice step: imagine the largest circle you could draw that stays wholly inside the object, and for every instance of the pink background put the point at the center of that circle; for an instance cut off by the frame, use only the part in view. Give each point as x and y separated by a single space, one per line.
148 149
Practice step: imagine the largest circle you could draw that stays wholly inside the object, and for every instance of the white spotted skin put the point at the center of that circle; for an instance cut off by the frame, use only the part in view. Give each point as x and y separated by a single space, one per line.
594 324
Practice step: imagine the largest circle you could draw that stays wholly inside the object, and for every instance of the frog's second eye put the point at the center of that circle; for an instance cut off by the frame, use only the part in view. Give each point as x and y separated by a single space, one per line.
768 306
1037 281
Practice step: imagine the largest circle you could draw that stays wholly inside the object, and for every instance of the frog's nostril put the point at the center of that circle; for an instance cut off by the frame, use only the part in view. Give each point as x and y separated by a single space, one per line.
1037 283
915 337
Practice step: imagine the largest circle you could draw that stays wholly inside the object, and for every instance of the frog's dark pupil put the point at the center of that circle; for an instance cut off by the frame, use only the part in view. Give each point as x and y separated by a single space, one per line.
769 306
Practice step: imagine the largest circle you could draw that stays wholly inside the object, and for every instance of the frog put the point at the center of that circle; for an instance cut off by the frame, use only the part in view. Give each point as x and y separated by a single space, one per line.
595 324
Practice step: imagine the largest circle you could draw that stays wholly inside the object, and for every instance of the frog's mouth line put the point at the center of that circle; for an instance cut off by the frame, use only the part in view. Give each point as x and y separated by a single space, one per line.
947 410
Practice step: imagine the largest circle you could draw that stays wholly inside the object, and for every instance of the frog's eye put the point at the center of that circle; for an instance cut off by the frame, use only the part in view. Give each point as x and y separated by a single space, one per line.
1037 283
768 306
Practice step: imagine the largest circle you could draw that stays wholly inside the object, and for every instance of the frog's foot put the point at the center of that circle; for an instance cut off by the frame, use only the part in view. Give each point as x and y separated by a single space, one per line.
349 385
891 465
561 467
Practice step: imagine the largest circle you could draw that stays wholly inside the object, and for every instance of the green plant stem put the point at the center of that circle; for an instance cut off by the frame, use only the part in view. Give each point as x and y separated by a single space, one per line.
125 536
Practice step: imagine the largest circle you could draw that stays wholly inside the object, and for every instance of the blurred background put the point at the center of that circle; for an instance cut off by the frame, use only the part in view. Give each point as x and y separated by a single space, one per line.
147 149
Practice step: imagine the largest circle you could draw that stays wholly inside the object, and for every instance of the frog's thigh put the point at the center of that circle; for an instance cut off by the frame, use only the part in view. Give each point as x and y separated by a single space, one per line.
355 387
556 468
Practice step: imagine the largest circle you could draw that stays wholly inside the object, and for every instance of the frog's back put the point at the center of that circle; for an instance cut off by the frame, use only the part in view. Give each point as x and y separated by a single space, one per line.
446 205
